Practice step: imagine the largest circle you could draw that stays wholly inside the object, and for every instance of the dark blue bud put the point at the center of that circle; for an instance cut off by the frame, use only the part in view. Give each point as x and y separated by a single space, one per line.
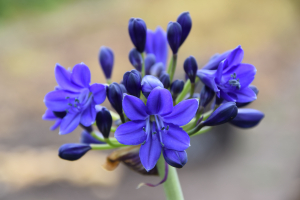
136 59
106 60
185 21
225 113
190 67
175 158
247 118
149 62
157 69
138 31
114 94
206 95
104 121
174 36
132 82
176 88
86 138
165 79
149 83
252 87
73 151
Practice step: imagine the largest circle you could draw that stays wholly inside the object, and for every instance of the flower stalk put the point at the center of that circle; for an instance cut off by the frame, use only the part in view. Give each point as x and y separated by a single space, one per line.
172 186
172 67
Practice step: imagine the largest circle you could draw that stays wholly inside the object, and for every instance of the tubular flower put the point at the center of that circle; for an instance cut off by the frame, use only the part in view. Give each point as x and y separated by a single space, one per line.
157 44
156 126
232 78
76 97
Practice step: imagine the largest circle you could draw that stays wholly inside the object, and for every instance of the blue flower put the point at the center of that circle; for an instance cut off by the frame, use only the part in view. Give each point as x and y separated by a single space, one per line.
75 96
156 125
157 45
232 78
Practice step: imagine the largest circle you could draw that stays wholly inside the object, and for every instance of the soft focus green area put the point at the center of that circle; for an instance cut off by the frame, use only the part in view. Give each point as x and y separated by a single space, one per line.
229 164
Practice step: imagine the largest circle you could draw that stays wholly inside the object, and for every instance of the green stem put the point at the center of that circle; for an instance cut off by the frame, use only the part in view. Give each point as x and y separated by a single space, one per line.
108 81
203 130
114 115
192 90
172 67
122 118
102 146
172 185
143 65
186 89
114 144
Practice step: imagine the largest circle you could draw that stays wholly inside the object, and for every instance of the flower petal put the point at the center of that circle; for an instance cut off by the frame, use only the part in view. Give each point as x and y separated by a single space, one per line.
99 92
131 133
160 45
159 102
175 138
49 115
63 78
150 152
88 115
175 158
235 57
57 101
244 95
69 123
219 72
134 108
56 124
81 75
208 78
182 113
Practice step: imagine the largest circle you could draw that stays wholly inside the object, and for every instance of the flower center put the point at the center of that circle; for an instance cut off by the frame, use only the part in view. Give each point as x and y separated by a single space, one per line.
79 104
234 81
155 125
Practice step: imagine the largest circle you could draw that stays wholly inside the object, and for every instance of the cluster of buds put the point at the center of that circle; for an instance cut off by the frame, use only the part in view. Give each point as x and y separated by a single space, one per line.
155 116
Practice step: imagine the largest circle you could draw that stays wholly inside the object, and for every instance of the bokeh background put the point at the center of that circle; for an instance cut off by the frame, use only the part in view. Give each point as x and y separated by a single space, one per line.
227 163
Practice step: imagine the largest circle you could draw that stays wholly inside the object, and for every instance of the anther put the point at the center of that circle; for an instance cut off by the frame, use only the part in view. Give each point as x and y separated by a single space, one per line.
67 97
144 142
163 128
154 132
144 129
69 104
167 128
162 144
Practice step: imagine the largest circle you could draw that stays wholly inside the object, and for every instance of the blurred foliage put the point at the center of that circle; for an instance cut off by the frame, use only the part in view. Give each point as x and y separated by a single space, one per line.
11 9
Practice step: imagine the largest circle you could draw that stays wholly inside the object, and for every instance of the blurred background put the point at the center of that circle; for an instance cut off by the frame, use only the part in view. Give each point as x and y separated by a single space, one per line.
227 163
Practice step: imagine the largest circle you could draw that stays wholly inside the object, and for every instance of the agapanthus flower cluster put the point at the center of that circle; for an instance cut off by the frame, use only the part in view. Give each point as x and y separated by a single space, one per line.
154 116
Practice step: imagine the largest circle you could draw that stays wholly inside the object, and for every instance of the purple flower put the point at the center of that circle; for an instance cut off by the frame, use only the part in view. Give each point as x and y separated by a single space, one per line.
156 125
157 45
76 97
232 78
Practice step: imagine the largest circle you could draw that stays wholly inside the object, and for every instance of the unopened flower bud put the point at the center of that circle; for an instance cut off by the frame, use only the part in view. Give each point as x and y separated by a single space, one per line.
149 83
165 79
87 138
115 96
157 69
175 158
206 96
174 32
149 62
225 113
73 151
132 82
190 67
247 118
106 60
138 31
185 20
104 122
176 88
136 59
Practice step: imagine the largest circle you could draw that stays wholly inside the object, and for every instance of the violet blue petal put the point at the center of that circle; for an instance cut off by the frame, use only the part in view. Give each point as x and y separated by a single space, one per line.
99 92
159 102
182 113
245 95
214 61
57 101
88 115
81 75
56 125
150 152
175 138
49 115
134 108
131 133
69 123
63 79
207 77
235 57
86 138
